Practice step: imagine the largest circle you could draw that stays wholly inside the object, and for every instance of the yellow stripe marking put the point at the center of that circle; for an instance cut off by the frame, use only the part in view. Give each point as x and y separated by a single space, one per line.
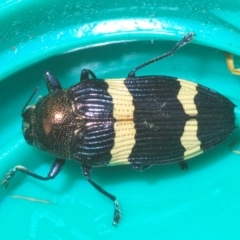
186 96
123 143
122 99
190 140
124 127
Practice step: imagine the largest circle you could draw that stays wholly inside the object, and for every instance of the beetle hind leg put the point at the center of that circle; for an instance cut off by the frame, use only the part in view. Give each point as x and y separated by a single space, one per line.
86 170
185 40
183 165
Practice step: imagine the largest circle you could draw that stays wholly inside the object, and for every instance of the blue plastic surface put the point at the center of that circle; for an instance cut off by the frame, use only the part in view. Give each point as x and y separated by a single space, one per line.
111 38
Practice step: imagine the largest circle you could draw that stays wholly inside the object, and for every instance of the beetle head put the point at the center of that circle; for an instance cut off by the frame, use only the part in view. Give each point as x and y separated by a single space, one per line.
28 115
28 124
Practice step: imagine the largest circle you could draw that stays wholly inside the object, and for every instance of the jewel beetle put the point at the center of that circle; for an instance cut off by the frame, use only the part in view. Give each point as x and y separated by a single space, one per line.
137 120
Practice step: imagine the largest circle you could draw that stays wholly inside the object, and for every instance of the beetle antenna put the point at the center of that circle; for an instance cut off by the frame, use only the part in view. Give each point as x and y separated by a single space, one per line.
28 101
186 39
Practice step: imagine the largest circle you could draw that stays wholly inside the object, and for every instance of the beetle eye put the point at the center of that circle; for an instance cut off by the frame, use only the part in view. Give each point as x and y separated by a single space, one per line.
27 125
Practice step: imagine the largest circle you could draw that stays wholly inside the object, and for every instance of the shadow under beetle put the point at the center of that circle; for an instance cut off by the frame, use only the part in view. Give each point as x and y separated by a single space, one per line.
142 121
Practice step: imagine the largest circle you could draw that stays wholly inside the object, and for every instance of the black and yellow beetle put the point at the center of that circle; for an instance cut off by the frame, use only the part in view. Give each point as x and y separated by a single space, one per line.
142 121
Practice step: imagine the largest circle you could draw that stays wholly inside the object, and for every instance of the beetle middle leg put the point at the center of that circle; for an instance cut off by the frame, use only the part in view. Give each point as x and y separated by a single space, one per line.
55 169
230 64
85 75
86 170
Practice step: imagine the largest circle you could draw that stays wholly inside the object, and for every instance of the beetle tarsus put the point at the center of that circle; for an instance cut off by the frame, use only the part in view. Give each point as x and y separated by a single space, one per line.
86 170
117 213
7 178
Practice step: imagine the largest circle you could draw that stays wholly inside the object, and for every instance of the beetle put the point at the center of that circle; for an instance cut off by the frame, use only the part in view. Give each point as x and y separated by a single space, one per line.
137 120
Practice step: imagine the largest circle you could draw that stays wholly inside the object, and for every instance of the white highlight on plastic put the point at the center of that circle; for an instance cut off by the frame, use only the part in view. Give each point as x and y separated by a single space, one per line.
125 25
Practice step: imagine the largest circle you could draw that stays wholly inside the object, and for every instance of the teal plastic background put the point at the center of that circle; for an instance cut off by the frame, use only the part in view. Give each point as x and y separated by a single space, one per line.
110 38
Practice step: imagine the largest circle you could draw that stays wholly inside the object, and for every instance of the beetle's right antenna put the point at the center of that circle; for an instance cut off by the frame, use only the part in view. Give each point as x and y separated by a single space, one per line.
28 101
186 39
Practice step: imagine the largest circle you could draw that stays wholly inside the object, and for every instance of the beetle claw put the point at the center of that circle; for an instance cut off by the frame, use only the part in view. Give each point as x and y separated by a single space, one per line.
7 178
117 213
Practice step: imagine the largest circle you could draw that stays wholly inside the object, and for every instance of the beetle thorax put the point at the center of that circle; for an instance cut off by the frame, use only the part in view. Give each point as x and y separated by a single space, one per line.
54 124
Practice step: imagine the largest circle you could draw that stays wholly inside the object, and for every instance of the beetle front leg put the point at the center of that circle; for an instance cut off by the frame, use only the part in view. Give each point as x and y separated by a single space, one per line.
55 169
52 83
86 170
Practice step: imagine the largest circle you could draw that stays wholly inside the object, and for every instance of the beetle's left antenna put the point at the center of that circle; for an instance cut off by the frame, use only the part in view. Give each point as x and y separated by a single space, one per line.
28 101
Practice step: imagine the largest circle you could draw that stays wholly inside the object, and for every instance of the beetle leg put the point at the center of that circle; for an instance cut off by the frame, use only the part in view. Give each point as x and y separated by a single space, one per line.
52 82
55 169
230 64
140 167
186 39
85 75
86 170
183 165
